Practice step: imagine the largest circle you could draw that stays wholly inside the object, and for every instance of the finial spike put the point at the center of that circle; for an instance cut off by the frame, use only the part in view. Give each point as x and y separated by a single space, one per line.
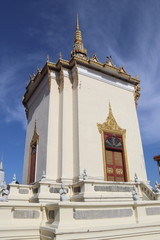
35 126
48 60
60 55
136 77
77 23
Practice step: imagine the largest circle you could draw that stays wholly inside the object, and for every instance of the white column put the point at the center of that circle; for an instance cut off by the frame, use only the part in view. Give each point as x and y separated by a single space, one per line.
53 122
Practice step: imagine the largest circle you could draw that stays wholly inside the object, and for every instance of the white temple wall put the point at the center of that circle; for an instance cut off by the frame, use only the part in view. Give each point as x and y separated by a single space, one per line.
67 130
76 163
53 122
38 111
93 105
67 125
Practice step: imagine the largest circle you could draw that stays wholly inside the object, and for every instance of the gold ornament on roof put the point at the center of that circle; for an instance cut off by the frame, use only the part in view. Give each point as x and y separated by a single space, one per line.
110 124
48 59
60 55
94 58
136 93
122 70
109 61
78 48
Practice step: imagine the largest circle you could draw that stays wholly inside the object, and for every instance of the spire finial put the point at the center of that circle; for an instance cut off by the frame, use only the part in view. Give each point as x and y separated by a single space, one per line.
77 23
78 48
48 59
60 55
35 126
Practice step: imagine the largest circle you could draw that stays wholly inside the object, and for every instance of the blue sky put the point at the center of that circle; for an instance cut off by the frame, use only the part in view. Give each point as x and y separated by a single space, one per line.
127 30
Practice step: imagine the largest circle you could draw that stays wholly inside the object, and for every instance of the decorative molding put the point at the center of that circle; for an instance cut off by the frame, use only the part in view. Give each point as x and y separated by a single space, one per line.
136 92
110 124
61 80
74 74
102 77
49 78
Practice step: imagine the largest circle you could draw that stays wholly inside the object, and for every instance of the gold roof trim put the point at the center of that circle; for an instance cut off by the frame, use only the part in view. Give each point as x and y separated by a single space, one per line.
36 79
110 125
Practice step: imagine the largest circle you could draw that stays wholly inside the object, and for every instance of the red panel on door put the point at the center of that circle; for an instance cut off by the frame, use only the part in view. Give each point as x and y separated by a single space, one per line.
115 165
32 163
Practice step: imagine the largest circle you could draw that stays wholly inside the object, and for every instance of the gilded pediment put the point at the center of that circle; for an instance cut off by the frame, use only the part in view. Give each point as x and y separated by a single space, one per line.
110 124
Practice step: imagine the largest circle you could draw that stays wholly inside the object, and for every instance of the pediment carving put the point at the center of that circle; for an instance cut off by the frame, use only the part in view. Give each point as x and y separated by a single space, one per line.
35 137
110 124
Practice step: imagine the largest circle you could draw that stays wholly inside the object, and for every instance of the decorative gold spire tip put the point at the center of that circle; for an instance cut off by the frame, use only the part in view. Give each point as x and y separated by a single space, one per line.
78 48
77 23
48 59
60 55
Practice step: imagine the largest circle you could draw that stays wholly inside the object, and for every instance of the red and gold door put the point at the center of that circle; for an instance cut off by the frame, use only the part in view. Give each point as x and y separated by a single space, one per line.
32 163
114 158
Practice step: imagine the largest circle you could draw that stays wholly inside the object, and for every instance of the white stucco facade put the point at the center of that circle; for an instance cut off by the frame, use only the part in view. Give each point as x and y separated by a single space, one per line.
66 117
73 108
38 114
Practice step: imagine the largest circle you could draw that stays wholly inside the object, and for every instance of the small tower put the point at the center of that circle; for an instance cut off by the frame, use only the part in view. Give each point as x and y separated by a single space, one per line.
78 48
66 104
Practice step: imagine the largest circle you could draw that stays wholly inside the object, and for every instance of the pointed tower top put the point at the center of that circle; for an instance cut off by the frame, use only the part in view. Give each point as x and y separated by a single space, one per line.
77 23
78 48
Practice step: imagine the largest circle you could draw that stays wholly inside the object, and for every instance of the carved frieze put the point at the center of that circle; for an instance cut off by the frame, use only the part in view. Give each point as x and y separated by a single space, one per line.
110 124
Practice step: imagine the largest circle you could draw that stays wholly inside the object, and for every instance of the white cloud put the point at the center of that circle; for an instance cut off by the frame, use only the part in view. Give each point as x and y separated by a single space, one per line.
16 114
12 87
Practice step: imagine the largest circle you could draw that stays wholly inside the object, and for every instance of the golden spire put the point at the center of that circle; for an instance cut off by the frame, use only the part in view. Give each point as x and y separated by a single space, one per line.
77 23
78 48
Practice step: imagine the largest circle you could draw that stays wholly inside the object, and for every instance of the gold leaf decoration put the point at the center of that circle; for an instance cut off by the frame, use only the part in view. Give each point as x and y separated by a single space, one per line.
110 124
109 170
119 171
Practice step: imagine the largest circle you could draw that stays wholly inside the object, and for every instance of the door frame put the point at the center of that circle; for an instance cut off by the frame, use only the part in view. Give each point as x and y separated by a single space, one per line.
113 150
35 140
111 126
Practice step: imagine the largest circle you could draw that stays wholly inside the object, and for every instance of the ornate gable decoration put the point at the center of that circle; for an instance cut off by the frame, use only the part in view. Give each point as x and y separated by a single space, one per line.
122 70
110 125
109 61
94 58
35 137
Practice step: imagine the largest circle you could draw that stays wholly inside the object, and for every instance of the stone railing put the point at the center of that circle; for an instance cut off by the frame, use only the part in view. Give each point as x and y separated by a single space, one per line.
148 192
19 192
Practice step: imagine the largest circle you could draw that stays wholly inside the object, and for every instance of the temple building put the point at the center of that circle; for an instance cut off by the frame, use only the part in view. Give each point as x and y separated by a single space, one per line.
84 173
